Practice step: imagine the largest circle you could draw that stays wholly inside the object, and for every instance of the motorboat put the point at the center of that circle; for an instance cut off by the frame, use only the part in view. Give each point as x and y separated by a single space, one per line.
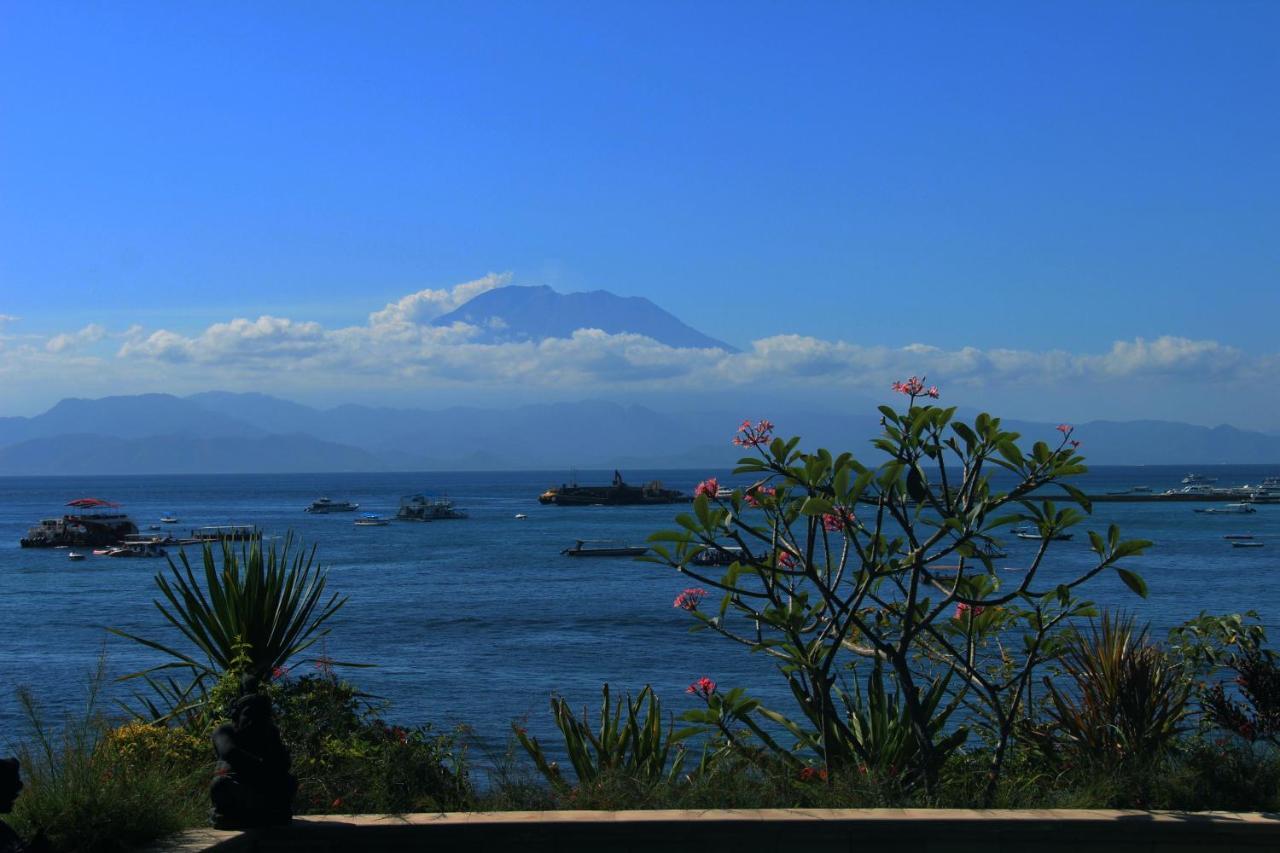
323 505
1238 536
520 516
1198 480
370 519
92 522
1228 509
1247 544
581 549
226 533
74 555
168 518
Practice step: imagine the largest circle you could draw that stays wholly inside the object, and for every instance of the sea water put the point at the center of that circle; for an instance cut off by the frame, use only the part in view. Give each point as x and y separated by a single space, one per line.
479 621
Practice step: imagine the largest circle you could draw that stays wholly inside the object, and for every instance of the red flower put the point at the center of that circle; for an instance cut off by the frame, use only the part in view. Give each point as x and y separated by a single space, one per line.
337 803
755 493
786 559
912 387
703 687
1065 429
280 672
707 487
690 598
808 774
963 609
932 392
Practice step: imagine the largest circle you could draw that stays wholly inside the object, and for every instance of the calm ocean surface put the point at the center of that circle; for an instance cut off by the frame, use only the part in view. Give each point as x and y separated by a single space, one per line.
478 621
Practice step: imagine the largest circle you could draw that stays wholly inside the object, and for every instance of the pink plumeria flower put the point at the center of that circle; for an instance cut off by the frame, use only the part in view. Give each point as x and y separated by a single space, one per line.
1065 429
756 494
786 560
754 436
834 522
690 598
708 487
703 687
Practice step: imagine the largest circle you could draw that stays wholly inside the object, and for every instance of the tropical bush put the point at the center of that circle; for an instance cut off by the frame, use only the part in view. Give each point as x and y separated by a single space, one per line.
840 566
631 748
259 610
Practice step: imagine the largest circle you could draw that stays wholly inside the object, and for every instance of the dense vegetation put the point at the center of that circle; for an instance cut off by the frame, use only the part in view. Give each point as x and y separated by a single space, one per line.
919 676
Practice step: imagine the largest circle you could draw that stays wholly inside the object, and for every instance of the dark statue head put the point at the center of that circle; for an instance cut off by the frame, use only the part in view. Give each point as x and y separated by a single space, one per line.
251 712
10 783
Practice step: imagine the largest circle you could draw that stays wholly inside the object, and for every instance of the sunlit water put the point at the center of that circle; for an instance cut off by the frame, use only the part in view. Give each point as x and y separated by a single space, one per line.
479 621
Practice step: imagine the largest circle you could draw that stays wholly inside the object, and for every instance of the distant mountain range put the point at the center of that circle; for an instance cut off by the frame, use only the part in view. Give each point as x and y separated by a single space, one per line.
235 433
509 314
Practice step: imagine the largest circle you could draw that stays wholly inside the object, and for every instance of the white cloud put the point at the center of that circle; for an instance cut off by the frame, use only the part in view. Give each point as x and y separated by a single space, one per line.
66 341
426 305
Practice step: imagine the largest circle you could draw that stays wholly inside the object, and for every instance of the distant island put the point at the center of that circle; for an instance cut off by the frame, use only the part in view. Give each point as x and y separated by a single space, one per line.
223 432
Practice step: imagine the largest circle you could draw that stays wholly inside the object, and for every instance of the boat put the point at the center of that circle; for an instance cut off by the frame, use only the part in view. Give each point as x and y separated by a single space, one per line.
419 507
580 549
1142 489
1028 533
1247 544
721 555
617 493
94 522
74 555
323 505
1198 480
168 518
226 533
724 493
370 519
1228 509
1238 536
520 516
136 549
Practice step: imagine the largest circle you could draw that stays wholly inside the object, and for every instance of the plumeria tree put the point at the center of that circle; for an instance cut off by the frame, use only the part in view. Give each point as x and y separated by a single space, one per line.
850 573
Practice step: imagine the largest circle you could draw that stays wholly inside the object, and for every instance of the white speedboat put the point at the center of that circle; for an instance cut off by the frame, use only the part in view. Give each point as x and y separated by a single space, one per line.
520 516
1198 480
1247 544
370 519
1229 509
74 555
1032 533
168 518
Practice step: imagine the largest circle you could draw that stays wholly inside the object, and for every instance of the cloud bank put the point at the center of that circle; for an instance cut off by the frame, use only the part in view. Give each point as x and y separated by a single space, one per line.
396 348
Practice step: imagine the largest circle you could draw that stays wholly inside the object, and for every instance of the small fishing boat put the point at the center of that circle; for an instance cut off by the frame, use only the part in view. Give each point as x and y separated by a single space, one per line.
74 555
168 518
721 555
370 519
324 505
1247 544
580 549
135 549
1238 536
520 516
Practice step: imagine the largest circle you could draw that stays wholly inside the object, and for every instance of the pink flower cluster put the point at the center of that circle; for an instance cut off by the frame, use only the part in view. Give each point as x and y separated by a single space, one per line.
690 598
754 436
703 687
756 494
786 560
834 522
914 387
1066 430
708 487
963 609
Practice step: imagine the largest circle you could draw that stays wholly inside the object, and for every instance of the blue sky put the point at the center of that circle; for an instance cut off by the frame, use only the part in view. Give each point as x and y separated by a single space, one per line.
1029 177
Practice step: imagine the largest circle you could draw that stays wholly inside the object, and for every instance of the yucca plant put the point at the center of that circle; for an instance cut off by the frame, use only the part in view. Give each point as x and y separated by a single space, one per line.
1129 698
639 748
259 609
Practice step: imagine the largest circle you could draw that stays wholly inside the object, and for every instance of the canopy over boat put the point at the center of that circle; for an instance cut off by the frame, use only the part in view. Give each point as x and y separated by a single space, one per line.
91 503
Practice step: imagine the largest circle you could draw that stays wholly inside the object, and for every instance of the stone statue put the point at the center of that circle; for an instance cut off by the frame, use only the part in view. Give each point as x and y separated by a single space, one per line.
252 785
10 787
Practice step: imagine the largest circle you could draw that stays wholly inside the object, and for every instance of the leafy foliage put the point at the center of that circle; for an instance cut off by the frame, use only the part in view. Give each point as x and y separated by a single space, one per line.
624 743
1128 702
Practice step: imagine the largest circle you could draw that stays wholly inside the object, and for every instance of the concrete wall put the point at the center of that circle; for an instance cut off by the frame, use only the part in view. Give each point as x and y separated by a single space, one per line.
793 831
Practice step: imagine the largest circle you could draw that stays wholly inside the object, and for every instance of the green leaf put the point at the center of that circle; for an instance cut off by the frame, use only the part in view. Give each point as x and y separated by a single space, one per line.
1133 580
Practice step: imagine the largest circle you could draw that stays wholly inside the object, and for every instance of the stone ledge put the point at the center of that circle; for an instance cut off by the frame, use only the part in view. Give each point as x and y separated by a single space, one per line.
734 831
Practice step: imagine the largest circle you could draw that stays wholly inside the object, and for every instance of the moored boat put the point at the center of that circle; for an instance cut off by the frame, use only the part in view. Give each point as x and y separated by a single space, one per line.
1247 544
95 522
419 507
168 518
1229 509
580 549
74 555
721 555
370 519
1031 533
324 505
226 533
617 493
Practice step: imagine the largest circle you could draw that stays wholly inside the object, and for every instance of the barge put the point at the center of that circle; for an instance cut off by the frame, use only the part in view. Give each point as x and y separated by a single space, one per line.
96 525
617 493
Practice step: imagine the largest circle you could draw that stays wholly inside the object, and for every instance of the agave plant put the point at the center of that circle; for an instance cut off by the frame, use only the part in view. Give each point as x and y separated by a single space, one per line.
260 609
1129 699
636 747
